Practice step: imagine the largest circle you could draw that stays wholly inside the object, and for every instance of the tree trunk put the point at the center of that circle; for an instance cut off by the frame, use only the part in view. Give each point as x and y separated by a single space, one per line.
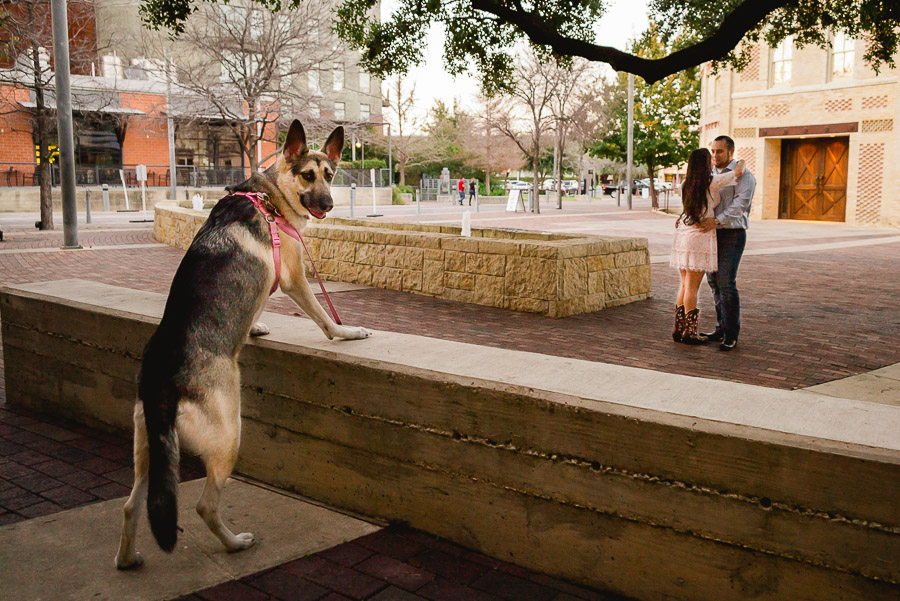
402 172
252 141
487 181
558 174
654 197
535 186
40 118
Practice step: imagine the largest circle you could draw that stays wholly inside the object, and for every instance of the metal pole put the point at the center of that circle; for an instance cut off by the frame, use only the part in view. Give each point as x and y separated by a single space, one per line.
87 205
170 124
106 197
64 122
628 183
390 159
352 198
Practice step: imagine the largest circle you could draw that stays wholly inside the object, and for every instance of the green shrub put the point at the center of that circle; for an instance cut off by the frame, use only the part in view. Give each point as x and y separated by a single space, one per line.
396 199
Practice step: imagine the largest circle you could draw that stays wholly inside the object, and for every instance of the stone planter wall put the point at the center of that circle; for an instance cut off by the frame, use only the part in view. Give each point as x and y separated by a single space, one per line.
552 274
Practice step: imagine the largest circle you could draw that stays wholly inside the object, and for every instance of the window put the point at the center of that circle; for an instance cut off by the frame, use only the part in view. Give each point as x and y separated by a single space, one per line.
314 110
339 111
365 111
236 67
284 69
364 82
716 89
313 76
256 24
842 55
781 63
338 77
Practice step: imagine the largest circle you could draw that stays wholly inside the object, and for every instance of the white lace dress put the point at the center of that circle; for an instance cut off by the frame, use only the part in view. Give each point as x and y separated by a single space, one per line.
694 249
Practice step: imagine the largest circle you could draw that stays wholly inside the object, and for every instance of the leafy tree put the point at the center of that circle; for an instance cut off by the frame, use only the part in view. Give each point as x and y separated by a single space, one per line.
486 33
666 115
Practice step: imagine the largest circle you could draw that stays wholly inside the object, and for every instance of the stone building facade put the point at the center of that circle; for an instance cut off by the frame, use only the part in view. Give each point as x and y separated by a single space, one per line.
818 127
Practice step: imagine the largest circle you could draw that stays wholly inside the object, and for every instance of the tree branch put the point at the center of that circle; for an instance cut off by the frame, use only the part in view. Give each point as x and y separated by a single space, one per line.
743 19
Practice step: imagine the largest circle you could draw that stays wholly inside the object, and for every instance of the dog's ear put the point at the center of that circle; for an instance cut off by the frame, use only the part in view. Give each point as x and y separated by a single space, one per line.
334 145
295 143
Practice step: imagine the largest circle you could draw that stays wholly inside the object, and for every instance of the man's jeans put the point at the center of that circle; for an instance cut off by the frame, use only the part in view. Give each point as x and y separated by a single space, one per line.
731 244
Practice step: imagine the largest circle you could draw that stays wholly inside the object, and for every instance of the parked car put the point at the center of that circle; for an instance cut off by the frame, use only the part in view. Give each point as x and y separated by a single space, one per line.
517 184
636 186
570 186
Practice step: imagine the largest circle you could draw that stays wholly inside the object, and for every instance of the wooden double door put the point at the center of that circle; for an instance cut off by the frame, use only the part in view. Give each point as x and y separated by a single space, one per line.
814 179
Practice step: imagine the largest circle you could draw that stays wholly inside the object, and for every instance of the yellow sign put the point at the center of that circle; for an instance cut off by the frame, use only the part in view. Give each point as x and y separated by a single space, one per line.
53 151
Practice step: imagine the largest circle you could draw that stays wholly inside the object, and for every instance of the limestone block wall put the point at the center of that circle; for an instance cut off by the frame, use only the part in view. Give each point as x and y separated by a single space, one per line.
650 485
556 275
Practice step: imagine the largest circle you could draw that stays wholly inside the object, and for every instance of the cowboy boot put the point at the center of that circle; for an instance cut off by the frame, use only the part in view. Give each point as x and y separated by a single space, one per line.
690 335
679 323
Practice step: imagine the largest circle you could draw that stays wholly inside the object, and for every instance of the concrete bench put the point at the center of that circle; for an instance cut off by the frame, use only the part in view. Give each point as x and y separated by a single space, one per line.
653 485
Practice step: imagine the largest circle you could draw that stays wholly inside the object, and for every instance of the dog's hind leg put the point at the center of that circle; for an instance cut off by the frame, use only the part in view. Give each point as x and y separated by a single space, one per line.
213 428
127 557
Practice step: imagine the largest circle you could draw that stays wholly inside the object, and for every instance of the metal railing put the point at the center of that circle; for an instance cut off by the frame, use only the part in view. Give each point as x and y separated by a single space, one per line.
361 177
429 188
26 175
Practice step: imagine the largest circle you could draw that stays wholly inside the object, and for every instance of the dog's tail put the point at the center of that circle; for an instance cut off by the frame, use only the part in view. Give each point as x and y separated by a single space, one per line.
162 439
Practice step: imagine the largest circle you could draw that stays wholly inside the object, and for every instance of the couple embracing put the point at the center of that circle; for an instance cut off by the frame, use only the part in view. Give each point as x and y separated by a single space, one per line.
710 236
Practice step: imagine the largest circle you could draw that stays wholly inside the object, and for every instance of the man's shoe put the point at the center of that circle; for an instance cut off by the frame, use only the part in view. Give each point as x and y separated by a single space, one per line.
728 344
715 336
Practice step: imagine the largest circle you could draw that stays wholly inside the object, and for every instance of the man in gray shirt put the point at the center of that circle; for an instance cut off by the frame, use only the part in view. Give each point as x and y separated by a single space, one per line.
730 222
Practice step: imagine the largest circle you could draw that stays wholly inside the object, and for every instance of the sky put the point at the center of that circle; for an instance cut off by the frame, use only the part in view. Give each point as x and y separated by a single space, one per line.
622 21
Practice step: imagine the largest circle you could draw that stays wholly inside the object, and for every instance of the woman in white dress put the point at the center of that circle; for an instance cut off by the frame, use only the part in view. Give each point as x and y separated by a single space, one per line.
694 251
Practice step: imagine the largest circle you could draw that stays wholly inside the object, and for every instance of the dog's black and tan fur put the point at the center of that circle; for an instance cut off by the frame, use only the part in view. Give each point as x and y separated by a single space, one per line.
189 382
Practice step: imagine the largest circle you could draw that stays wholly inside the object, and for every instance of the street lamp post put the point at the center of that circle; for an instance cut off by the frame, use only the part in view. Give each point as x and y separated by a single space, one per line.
59 19
628 183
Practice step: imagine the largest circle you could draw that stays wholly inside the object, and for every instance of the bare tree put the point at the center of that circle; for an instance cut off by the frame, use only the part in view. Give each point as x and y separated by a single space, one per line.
26 46
567 106
484 145
528 110
409 145
250 67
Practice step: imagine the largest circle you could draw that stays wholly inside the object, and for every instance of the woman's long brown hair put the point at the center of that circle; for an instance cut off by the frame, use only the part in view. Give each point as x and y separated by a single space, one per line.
696 186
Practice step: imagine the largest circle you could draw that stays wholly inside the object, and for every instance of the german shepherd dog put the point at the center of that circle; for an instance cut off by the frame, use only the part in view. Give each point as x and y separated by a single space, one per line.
189 381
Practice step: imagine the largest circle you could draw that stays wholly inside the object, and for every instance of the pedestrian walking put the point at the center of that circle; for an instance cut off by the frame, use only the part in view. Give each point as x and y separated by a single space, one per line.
473 189
461 187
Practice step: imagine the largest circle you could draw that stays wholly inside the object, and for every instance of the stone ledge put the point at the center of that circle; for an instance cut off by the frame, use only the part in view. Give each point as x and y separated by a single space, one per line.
554 274
596 473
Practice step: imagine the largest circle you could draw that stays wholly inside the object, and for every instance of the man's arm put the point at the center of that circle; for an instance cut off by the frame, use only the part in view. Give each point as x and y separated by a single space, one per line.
740 204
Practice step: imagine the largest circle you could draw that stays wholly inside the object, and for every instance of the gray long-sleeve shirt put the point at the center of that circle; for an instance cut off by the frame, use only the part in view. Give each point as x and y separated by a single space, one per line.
733 210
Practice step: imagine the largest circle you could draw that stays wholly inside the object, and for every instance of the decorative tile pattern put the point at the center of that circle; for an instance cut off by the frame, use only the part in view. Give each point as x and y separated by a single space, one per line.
751 71
876 125
748 155
713 125
839 104
871 171
748 112
744 132
875 102
777 110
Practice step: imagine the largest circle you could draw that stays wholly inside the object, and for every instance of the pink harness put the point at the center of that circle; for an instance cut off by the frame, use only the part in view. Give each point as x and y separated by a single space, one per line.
275 222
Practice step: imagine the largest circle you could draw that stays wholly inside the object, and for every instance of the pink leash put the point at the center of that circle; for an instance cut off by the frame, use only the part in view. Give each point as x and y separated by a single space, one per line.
276 222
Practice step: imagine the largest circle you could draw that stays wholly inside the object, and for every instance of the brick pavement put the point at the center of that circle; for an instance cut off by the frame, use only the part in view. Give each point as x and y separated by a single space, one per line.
808 318
398 564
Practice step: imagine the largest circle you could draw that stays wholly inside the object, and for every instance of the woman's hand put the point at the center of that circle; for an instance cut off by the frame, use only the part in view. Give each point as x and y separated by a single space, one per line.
739 169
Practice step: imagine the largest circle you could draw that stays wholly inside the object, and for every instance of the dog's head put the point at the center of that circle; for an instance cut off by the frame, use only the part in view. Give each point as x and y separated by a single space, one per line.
305 175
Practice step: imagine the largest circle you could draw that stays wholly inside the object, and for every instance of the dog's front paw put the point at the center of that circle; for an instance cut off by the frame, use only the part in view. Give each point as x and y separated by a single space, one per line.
353 333
259 329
